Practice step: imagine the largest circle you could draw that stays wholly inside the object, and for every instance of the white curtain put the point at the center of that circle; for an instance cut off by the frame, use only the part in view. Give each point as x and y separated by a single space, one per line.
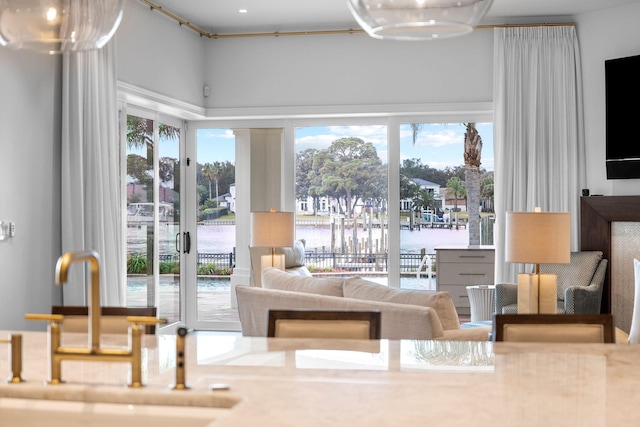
90 177
538 127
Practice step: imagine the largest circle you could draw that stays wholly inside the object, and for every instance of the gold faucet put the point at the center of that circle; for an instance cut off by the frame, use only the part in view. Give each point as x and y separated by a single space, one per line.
16 358
93 352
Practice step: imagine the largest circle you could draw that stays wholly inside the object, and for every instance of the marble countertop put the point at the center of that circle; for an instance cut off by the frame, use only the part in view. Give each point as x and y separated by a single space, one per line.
288 382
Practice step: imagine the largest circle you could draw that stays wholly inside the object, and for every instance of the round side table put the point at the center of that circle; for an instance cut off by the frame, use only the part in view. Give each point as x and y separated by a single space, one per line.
481 299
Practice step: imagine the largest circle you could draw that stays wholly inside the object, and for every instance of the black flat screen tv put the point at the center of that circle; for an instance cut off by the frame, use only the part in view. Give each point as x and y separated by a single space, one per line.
622 85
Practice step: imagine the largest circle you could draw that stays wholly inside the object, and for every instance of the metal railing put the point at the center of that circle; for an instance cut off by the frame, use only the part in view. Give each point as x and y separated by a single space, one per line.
320 260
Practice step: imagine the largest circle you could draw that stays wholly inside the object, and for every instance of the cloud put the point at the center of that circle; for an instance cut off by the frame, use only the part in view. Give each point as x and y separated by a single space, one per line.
375 134
214 134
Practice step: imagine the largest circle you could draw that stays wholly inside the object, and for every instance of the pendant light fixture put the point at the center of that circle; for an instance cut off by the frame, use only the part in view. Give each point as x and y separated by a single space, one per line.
418 19
56 26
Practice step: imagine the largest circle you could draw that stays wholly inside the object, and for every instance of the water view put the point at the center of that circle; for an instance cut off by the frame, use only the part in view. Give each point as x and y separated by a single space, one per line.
214 238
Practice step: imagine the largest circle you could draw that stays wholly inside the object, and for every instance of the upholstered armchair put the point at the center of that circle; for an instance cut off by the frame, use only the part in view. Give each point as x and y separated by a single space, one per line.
580 284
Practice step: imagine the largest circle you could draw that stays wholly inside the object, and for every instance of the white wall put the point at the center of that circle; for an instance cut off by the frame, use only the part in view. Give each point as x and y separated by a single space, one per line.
338 70
157 54
29 194
608 34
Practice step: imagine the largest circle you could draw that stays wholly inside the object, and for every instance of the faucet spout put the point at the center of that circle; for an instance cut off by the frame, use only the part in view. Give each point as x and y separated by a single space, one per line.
61 277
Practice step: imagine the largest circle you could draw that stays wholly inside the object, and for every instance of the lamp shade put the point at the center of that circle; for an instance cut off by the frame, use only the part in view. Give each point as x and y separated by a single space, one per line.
538 237
54 26
418 19
272 229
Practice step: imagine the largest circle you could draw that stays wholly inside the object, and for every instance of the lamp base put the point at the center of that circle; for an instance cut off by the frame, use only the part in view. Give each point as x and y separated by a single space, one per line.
537 294
276 260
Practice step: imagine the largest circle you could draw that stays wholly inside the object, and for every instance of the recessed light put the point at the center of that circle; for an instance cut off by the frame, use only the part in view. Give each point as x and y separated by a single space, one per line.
243 11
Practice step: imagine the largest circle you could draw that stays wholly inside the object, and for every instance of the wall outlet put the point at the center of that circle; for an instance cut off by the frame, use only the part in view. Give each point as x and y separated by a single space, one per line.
12 229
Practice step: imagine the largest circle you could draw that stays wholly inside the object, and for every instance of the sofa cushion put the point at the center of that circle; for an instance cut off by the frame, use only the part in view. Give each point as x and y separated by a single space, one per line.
441 302
579 271
272 278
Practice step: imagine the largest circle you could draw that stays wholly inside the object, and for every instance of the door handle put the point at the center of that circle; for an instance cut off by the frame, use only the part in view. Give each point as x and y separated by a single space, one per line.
187 242
178 242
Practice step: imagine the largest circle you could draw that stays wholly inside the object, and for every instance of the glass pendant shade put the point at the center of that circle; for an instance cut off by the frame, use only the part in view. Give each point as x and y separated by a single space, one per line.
55 26
418 19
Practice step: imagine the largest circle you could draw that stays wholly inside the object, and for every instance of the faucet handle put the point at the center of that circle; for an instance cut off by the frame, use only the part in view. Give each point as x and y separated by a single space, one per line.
48 317
145 320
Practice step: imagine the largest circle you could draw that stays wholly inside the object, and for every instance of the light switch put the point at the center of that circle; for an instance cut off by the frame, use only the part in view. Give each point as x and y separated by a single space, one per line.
7 229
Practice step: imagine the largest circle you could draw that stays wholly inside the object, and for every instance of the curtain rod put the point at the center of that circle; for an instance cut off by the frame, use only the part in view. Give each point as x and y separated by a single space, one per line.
204 33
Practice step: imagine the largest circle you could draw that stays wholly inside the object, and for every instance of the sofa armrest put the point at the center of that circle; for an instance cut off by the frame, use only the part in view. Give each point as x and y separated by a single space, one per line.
587 299
506 294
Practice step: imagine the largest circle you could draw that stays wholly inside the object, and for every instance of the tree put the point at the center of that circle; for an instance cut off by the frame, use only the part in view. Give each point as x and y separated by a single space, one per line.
140 132
455 189
350 171
305 176
472 156
408 188
140 171
424 199
486 189
227 176
167 168
415 130
216 173
209 174
140 135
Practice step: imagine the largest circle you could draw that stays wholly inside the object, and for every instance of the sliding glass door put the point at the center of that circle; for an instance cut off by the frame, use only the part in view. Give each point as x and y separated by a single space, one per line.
433 195
211 210
153 236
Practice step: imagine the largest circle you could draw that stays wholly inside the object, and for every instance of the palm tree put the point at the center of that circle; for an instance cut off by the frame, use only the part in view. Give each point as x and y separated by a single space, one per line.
486 190
415 130
424 199
140 132
472 155
455 189
209 174
216 172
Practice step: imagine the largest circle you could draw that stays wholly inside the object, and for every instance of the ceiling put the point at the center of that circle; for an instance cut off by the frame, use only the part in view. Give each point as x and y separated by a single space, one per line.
223 16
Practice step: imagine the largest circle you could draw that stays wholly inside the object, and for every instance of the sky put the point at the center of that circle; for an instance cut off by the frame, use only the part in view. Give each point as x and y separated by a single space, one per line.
437 145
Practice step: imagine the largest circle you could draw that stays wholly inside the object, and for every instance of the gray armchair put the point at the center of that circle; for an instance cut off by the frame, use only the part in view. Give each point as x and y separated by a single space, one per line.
580 284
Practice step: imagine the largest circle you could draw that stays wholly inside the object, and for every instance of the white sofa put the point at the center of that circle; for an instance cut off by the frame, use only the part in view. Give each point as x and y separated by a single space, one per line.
406 314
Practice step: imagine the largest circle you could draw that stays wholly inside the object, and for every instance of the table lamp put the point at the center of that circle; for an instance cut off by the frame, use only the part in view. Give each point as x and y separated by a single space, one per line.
272 229
538 238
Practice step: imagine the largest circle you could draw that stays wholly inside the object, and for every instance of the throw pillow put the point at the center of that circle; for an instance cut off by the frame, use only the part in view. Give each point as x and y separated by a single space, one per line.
272 278
293 256
579 271
441 302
